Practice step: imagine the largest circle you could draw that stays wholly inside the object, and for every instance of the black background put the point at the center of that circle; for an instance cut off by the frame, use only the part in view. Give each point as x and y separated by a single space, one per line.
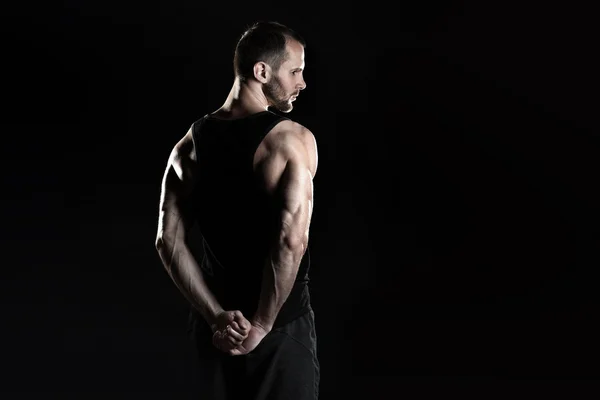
455 229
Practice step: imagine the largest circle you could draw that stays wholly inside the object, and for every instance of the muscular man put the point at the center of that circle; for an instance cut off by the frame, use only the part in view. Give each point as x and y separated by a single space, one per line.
244 174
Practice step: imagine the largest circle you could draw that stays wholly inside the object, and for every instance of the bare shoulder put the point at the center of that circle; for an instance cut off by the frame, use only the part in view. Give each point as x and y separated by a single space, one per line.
296 139
183 156
185 148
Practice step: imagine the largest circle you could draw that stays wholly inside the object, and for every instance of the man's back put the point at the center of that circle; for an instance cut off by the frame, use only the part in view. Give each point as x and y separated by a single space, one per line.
235 202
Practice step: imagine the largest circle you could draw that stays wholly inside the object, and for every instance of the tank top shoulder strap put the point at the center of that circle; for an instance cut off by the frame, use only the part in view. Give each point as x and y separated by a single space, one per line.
196 133
262 124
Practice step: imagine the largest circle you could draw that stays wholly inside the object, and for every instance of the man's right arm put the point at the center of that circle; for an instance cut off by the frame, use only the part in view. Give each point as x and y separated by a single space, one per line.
173 226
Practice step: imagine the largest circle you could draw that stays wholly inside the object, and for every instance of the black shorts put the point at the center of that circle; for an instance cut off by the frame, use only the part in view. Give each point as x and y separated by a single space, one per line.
283 366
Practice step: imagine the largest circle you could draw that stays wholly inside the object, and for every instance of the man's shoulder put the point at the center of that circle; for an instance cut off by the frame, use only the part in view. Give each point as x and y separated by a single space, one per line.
185 148
289 129
292 135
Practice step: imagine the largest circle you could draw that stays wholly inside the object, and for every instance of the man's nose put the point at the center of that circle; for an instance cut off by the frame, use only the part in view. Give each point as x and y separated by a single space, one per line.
302 84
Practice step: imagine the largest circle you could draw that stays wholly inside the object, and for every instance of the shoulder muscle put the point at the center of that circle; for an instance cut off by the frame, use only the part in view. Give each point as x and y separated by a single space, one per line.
179 176
289 143
183 157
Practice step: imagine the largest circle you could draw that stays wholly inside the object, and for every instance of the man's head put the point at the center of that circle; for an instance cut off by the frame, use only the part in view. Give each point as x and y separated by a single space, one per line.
272 54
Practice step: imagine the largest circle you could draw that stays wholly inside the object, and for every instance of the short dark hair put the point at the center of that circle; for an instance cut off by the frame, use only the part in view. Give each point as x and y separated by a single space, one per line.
263 41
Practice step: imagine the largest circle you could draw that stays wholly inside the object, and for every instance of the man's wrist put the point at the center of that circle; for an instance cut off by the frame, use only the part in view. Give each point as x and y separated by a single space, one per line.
261 323
213 318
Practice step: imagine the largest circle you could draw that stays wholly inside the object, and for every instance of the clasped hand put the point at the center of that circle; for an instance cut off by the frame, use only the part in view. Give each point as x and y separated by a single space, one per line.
235 335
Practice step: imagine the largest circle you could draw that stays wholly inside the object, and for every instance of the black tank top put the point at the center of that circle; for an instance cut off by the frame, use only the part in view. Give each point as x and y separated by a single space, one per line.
237 219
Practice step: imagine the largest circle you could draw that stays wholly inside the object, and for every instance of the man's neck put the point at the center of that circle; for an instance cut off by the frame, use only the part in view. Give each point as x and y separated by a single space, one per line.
243 99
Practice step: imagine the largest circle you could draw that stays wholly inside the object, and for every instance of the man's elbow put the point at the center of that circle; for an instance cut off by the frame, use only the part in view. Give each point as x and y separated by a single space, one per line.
295 243
293 236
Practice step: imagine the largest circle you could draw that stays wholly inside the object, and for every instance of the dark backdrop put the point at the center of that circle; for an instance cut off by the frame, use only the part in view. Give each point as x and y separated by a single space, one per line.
455 229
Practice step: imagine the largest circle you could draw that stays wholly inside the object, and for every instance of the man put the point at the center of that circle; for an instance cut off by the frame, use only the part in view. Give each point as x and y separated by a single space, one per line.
244 174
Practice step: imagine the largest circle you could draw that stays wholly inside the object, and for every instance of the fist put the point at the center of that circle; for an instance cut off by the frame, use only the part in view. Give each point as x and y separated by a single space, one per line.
230 329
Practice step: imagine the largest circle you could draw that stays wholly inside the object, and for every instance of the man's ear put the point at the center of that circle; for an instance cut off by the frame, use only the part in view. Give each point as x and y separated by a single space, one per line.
262 72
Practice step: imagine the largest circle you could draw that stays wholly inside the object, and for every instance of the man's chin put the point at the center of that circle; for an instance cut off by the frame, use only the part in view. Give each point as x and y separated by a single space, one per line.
284 109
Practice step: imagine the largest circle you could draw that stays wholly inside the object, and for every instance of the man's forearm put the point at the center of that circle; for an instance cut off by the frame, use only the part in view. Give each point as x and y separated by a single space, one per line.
187 276
279 274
